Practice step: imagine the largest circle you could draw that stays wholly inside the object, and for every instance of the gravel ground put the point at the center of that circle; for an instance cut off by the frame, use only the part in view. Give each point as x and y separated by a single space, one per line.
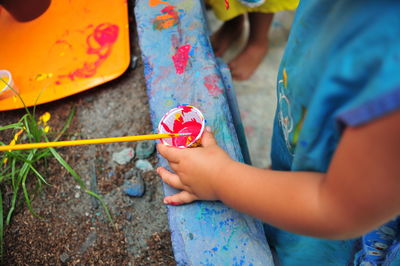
73 228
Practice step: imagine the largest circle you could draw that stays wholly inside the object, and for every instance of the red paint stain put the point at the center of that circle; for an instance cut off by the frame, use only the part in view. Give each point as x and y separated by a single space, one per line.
64 42
100 43
180 126
186 109
181 58
226 4
174 203
211 83
169 18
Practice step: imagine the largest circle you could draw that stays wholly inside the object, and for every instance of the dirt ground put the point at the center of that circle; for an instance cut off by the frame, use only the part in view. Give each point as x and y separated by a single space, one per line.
73 229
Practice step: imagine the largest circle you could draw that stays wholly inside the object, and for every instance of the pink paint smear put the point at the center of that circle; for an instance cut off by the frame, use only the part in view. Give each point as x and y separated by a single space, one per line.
181 58
211 83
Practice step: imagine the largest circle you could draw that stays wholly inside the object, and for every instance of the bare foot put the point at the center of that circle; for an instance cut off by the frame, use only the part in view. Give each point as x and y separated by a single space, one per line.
229 32
245 64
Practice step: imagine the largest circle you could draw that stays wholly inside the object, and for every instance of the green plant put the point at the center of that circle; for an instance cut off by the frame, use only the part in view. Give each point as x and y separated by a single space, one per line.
21 167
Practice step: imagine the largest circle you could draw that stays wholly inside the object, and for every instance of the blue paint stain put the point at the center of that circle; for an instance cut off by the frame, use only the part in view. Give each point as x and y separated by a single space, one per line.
191 52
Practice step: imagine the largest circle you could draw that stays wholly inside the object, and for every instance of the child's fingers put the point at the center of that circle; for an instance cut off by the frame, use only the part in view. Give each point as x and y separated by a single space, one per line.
208 138
169 153
180 198
171 179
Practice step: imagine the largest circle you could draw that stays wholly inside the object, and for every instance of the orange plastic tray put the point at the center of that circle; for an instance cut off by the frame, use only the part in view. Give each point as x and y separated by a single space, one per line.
72 47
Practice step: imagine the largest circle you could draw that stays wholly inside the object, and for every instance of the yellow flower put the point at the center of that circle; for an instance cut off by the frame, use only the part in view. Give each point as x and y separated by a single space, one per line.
45 118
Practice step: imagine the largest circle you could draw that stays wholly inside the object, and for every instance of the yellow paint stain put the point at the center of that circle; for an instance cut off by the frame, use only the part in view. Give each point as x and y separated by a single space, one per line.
285 78
43 76
157 2
187 5
178 116
169 103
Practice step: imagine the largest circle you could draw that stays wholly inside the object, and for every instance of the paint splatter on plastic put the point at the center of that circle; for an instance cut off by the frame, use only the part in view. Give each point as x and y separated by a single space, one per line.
100 43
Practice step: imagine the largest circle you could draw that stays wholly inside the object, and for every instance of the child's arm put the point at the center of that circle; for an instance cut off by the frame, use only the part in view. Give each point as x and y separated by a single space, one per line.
359 192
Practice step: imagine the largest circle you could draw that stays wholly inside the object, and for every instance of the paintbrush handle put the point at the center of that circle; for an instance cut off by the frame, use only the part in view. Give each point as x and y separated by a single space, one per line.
86 141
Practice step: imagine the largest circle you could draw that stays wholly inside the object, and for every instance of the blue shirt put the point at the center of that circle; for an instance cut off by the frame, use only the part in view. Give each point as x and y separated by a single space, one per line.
341 68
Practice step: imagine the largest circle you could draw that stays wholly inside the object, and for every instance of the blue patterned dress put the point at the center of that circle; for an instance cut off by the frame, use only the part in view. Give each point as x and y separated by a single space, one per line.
341 68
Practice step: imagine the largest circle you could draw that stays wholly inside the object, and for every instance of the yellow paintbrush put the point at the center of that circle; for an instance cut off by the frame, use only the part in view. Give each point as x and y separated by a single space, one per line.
88 141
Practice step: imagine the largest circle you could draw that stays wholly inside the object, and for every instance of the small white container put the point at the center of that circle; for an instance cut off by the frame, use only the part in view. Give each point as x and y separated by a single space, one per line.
183 119
7 87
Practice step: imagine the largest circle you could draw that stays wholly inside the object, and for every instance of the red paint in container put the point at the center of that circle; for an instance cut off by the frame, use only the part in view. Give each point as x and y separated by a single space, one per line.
182 119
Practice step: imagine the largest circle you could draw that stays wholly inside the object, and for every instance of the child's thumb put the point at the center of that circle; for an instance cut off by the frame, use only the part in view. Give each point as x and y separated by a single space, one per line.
208 138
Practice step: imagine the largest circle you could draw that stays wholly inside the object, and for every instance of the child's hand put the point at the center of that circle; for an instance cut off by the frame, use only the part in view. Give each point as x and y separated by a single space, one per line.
197 170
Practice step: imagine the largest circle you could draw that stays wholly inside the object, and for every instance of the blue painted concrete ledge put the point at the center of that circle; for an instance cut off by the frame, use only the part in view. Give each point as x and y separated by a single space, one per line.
180 68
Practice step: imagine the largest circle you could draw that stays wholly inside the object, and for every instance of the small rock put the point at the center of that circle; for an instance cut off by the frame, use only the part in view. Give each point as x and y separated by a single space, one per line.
145 148
134 187
144 165
134 61
64 257
124 156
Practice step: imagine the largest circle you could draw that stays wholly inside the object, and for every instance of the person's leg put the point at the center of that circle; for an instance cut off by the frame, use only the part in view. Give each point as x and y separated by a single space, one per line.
229 32
246 63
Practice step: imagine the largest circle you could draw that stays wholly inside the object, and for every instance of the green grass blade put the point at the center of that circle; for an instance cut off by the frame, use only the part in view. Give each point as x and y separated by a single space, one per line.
67 123
23 172
1 228
26 196
74 174
12 126
41 178
103 204
80 181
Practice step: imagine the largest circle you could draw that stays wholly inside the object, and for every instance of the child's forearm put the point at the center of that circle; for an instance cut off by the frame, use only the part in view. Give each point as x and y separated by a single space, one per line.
287 199
299 202
358 193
